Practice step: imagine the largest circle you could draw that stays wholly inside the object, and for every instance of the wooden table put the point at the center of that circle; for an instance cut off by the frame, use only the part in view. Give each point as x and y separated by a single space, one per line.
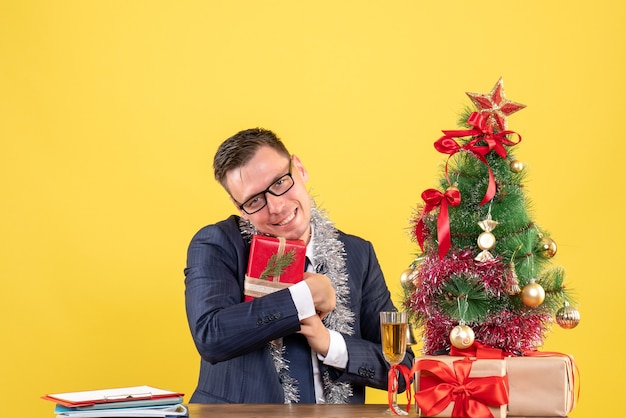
301 411
279 410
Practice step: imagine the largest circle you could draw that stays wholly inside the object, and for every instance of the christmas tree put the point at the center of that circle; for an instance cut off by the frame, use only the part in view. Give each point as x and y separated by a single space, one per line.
484 269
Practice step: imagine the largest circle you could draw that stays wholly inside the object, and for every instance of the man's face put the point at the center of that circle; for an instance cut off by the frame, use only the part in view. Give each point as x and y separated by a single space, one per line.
288 215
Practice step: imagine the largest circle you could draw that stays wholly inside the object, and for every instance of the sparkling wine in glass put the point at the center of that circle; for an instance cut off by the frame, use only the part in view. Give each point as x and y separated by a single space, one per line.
393 328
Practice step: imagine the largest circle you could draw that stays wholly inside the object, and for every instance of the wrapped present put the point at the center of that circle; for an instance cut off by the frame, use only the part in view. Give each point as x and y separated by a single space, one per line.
450 386
541 384
273 264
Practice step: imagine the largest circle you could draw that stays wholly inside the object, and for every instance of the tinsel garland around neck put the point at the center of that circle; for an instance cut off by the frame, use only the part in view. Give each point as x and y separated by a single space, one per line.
329 260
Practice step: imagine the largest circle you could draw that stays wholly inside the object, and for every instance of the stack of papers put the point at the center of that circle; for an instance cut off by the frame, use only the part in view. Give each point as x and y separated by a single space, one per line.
136 401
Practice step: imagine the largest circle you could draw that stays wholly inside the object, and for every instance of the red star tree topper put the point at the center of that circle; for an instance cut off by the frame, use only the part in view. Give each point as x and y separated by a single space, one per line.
495 107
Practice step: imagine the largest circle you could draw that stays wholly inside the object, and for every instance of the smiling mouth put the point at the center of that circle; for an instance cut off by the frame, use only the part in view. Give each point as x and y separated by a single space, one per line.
287 219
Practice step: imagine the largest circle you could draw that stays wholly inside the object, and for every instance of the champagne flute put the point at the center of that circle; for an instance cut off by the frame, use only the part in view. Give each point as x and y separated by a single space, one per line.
393 330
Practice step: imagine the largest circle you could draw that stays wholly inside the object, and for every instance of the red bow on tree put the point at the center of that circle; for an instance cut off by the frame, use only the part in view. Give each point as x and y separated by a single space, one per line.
482 133
435 199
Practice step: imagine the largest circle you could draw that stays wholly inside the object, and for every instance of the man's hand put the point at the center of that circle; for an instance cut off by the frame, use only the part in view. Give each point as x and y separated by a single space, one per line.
316 334
323 293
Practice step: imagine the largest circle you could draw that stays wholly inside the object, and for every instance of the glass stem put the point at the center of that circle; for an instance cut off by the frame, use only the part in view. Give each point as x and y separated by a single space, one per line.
395 390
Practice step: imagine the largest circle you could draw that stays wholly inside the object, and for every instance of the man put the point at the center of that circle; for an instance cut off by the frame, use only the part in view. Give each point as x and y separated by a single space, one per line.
249 349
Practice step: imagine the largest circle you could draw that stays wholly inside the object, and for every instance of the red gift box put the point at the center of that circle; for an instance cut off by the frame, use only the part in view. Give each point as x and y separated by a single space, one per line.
449 386
265 253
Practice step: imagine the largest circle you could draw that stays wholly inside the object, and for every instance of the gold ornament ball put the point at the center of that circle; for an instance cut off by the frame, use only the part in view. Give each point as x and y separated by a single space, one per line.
462 336
452 187
406 278
567 317
516 166
548 247
486 241
533 294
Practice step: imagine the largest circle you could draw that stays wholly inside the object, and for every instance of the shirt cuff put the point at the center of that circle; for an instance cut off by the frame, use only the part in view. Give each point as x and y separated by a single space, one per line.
302 298
337 355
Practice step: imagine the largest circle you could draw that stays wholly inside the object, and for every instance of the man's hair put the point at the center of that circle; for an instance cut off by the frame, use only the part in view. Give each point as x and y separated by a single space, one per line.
237 150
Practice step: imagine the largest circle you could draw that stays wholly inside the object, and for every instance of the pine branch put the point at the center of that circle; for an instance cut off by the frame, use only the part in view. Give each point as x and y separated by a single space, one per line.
471 292
277 264
552 282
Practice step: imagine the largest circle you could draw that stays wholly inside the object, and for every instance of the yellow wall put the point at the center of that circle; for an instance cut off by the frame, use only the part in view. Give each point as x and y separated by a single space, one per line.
110 112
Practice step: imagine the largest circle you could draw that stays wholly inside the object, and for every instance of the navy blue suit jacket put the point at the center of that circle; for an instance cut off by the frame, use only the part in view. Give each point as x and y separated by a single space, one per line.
232 337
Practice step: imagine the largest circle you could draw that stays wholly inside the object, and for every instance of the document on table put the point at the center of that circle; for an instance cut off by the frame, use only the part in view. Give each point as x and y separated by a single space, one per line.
140 411
111 396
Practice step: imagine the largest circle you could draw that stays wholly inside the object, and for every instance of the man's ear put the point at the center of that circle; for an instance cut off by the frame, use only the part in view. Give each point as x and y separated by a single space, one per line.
299 167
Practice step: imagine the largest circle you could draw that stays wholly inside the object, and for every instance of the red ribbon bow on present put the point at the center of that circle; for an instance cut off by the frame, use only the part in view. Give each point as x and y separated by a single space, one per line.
435 199
393 384
471 396
479 351
482 133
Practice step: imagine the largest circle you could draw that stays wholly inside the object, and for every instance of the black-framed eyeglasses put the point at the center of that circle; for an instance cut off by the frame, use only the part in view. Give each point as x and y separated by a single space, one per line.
259 200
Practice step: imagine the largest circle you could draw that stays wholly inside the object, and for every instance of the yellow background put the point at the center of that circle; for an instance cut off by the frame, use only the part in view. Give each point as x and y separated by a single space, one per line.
110 112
